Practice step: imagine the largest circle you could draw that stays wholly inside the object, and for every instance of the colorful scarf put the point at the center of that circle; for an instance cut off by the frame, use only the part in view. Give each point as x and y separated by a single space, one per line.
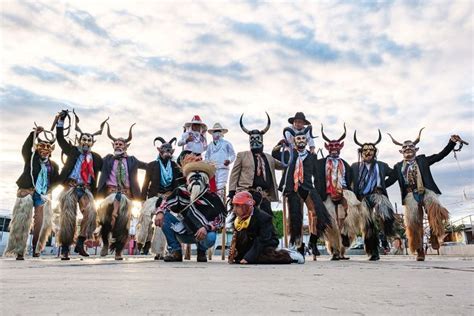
87 168
41 186
335 173
368 179
412 176
166 174
261 167
298 175
240 224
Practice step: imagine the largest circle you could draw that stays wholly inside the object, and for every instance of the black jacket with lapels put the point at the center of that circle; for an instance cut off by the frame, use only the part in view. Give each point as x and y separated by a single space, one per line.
259 235
424 163
73 153
321 176
152 183
25 181
133 164
384 172
309 170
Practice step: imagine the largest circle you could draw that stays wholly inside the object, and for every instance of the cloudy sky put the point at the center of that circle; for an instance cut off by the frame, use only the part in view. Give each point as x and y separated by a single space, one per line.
397 66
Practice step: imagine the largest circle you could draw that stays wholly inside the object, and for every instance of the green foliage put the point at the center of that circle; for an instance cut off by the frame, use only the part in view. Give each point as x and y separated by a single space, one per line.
278 222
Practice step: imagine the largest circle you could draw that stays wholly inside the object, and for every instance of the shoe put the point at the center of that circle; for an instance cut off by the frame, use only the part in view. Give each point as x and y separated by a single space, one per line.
374 258
159 257
36 255
301 248
118 256
175 256
335 258
65 253
344 258
80 247
20 257
434 242
420 255
201 256
104 251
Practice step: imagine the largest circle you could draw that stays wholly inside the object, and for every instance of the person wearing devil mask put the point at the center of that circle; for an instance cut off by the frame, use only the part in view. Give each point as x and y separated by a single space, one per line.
298 185
162 176
420 193
369 186
118 185
221 153
254 171
254 239
79 177
201 212
299 123
334 179
40 175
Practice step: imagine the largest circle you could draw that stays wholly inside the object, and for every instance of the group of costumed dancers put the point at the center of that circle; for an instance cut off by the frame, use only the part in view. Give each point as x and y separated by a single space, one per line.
190 199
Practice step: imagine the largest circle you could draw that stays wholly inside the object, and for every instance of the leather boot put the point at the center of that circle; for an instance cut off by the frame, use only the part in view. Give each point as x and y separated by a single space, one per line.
420 254
20 257
146 248
434 242
159 257
118 255
174 256
201 256
105 250
80 247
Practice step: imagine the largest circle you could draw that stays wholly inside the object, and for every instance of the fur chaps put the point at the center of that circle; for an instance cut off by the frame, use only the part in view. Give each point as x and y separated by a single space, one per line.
46 225
145 220
67 220
20 226
120 231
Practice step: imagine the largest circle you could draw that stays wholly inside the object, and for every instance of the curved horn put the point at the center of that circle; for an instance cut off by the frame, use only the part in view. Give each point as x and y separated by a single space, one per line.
343 135
172 140
99 132
110 135
418 139
52 139
355 139
394 141
289 130
160 139
322 133
309 129
242 125
379 139
129 134
78 129
269 122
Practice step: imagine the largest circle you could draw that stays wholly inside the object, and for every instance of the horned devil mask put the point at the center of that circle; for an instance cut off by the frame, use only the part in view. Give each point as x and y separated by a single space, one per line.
409 148
300 137
86 140
256 136
44 147
368 151
166 149
120 145
334 146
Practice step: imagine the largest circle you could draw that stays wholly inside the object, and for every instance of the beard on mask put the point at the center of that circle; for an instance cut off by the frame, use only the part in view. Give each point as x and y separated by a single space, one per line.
197 184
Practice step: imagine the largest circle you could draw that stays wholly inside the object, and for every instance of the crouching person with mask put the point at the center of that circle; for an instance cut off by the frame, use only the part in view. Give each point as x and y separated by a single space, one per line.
254 239
191 214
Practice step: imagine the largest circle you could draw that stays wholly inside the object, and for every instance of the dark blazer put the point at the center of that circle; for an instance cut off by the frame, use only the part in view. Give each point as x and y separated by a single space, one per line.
73 153
384 172
309 171
260 234
24 181
424 163
151 184
133 164
321 176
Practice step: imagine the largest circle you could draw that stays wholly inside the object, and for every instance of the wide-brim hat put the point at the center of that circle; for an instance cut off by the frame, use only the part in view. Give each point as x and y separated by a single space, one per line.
299 116
217 127
195 120
201 166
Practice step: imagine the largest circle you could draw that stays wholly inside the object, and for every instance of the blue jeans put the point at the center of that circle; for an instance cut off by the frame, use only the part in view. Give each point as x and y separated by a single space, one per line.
174 239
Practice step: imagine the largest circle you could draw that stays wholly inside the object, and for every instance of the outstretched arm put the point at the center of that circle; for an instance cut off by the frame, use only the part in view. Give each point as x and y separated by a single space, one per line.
446 150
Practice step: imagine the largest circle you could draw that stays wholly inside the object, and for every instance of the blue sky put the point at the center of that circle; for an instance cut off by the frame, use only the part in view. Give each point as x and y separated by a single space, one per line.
397 66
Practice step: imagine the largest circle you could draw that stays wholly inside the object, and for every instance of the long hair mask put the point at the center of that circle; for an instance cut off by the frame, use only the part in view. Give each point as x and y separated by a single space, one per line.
367 151
255 135
334 145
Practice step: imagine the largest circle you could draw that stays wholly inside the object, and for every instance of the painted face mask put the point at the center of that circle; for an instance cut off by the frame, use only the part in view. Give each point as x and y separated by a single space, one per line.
120 144
409 148
367 151
255 136
45 147
86 140
166 149
334 146
197 183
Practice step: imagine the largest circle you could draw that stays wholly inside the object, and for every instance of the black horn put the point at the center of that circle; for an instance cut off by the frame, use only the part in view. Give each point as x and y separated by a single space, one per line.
355 139
418 138
322 133
109 134
99 132
394 141
379 139
160 139
263 131
129 133
343 135
242 125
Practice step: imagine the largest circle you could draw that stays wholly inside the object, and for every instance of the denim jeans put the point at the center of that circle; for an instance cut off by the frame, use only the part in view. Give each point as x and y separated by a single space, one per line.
174 239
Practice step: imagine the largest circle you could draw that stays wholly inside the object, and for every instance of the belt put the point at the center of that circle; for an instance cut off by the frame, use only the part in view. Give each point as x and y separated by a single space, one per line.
113 189
73 184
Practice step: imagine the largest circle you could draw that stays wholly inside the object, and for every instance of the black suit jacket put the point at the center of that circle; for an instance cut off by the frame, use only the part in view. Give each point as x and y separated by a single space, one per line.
73 153
259 235
321 176
424 163
133 164
309 171
24 181
151 184
384 172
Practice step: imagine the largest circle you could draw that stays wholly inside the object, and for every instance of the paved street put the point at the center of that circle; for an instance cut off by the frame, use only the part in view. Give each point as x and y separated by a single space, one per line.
141 286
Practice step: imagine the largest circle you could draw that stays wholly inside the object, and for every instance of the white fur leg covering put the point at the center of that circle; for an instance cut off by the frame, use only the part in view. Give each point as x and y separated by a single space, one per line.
158 242
46 225
413 223
145 220
356 216
332 235
20 226
67 221
438 215
91 212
